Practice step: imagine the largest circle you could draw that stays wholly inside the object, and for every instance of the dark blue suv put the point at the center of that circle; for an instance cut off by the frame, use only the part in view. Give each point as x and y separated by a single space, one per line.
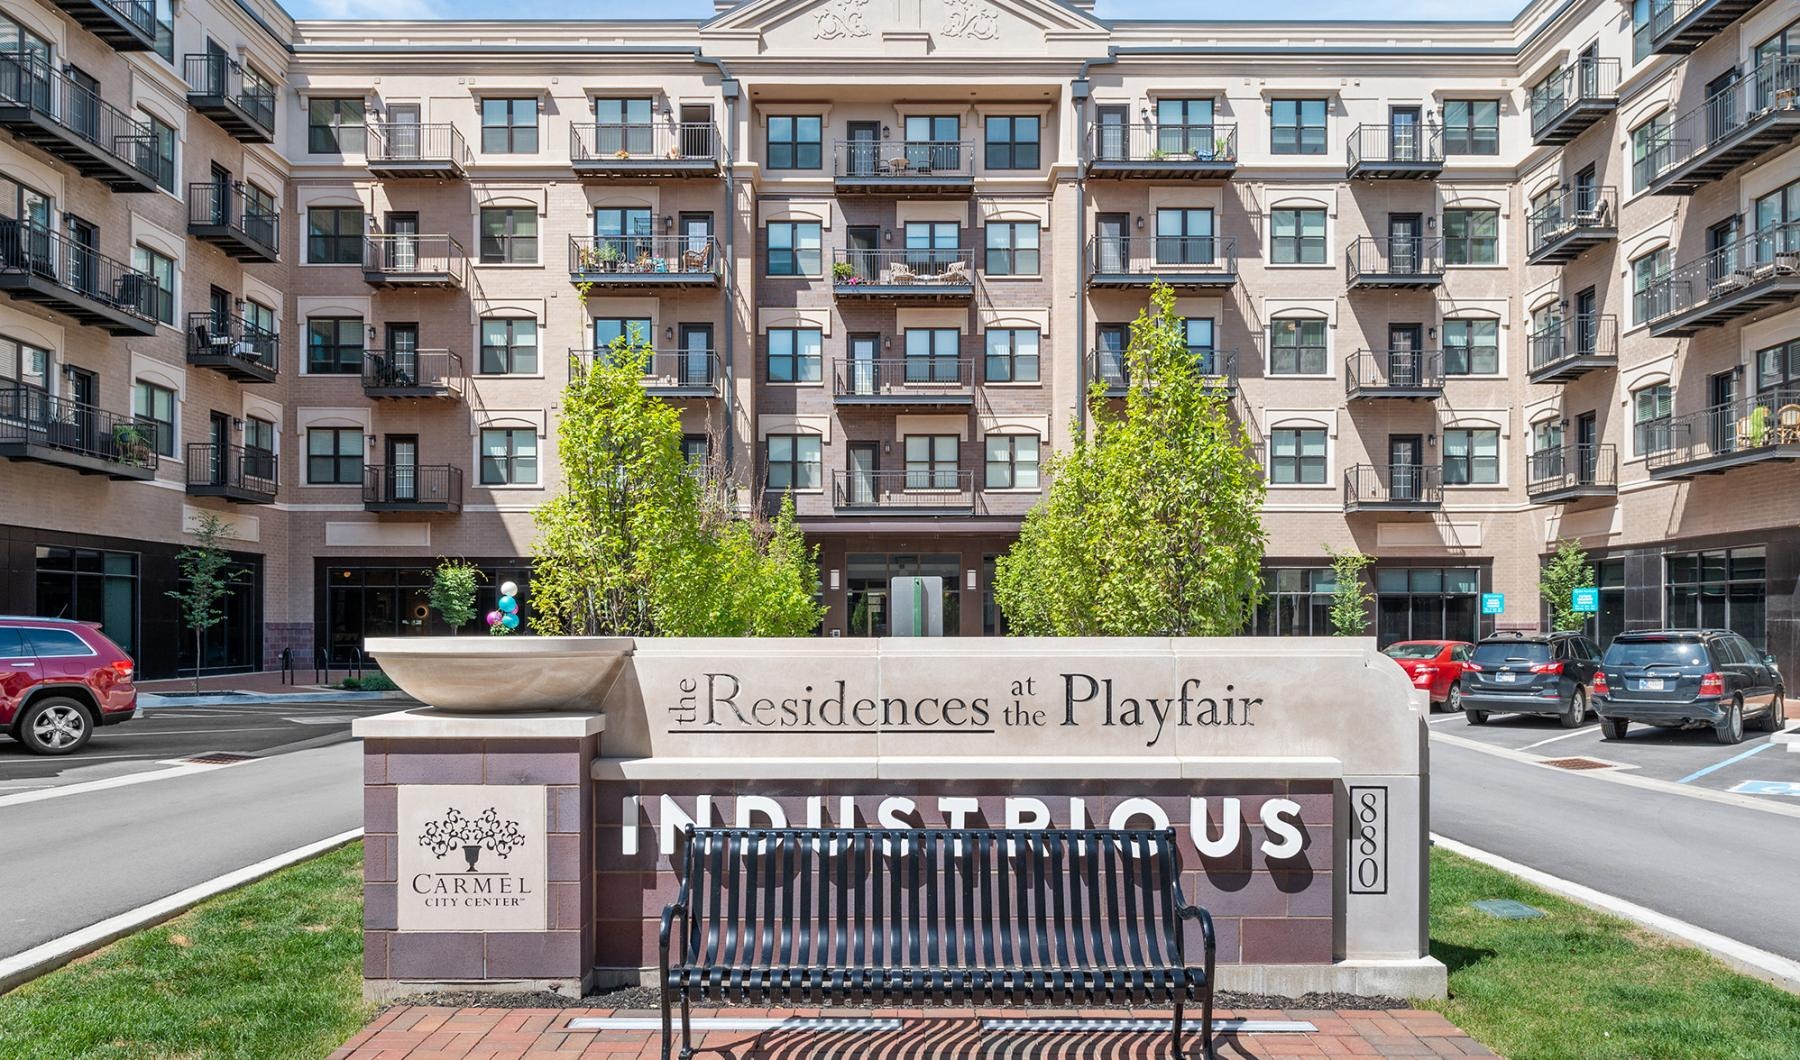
1530 673
1687 678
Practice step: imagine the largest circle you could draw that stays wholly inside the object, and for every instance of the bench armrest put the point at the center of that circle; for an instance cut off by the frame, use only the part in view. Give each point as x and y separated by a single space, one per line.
675 909
1198 912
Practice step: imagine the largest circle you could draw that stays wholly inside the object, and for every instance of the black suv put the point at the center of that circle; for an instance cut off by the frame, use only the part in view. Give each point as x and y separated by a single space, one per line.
1530 673
1687 678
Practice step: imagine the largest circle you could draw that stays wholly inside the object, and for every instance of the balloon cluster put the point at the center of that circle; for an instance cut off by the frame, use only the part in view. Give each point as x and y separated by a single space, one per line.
506 609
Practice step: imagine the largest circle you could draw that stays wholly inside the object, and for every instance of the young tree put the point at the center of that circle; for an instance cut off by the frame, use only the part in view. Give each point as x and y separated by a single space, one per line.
1350 598
205 582
1567 570
452 593
1152 522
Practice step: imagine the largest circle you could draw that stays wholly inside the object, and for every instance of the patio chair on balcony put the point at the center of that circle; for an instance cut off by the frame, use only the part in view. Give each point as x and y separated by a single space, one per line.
956 272
899 166
697 259
900 272
1787 424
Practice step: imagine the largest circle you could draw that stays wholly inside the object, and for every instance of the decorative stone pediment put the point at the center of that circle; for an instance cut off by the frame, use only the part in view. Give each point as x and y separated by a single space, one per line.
898 28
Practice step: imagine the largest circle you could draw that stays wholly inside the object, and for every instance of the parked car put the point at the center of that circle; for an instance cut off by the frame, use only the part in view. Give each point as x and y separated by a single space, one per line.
1434 665
1688 678
1530 673
59 680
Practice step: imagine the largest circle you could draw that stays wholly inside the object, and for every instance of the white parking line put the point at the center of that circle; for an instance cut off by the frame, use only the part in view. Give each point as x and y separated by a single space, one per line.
1583 731
125 781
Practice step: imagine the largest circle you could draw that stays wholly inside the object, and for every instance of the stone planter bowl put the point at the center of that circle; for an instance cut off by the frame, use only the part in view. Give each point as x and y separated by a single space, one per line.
503 675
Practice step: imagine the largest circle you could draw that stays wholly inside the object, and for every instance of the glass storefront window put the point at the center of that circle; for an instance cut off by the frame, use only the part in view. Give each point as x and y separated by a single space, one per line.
90 585
1296 602
394 601
1427 603
1718 589
867 576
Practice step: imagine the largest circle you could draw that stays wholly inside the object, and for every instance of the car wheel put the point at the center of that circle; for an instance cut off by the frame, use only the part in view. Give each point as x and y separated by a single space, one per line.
1476 717
1576 711
1455 701
1613 728
1731 730
1774 718
55 726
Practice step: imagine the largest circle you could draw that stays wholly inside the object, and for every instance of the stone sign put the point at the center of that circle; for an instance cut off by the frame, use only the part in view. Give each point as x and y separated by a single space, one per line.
471 857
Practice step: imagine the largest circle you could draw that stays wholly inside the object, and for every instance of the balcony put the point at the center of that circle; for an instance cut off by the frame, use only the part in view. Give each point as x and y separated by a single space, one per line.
411 374
1162 152
217 88
917 381
1395 152
1753 430
232 219
1110 368
1756 113
903 276
1573 98
126 25
48 430
45 107
904 493
414 261
635 151
1734 281
914 168
644 263
46 267
1407 263
412 488
1572 472
1676 27
244 476
409 150
1182 262
1576 220
233 347
1406 374
1393 488
1571 348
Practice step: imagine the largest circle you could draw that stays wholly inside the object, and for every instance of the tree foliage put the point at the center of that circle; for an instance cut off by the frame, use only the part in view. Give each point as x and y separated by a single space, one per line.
205 582
1151 525
1567 570
1350 597
642 543
452 593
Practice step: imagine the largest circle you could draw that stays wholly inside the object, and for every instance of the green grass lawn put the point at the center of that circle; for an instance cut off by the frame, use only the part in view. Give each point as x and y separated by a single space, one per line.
1577 983
273 970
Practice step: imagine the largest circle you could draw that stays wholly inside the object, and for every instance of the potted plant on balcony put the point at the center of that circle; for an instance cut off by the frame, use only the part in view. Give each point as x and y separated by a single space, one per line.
843 272
1756 427
131 443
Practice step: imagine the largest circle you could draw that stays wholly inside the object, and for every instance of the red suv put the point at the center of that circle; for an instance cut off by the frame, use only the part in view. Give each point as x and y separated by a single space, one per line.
1434 665
58 681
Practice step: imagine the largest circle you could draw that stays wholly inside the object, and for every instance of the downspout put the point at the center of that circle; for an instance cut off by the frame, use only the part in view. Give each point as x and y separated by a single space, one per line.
729 88
1079 95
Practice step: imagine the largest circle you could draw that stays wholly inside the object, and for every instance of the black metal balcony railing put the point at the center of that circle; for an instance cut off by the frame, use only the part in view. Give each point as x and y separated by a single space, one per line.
230 212
1566 348
414 260
1755 112
1403 261
902 160
903 379
646 258
1758 270
1109 366
1575 219
946 490
633 144
410 373
35 425
218 88
1676 27
942 266
1162 147
1763 426
76 278
1414 486
401 487
1394 373
70 120
232 471
401 148
233 343
127 25
1404 148
1573 98
1173 259
1572 470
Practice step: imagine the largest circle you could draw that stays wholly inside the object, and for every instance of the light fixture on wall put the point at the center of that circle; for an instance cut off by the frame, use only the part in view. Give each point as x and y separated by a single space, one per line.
237 425
1431 333
668 332
887 235
973 584
1140 222
1431 223
668 223
884 132
834 578
371 333
1431 441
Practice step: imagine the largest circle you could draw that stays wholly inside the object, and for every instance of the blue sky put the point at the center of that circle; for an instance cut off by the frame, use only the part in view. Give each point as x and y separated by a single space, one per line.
1406 10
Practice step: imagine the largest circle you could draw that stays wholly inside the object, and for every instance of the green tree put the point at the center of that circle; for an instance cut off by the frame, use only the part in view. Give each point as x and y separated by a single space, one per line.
206 575
452 593
1151 525
1568 569
1350 597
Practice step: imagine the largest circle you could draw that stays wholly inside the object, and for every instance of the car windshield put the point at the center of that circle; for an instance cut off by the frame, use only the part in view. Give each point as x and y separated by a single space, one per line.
1498 652
1655 653
1412 651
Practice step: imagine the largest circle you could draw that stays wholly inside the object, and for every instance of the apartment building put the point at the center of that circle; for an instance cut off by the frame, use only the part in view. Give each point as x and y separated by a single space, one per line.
1471 288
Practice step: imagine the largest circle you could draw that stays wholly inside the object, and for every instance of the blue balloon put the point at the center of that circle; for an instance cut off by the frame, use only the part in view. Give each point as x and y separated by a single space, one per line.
510 621
507 604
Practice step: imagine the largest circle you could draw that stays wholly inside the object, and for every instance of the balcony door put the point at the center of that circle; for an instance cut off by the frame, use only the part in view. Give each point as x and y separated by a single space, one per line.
1404 238
1721 392
1404 456
1112 133
221 194
1587 450
864 373
403 467
1721 105
402 349
403 131
84 105
863 149
1403 355
1112 254
82 270
1589 63
1586 193
695 368
84 393
696 238
1403 134
862 251
403 242
864 462
697 131
1587 322
219 434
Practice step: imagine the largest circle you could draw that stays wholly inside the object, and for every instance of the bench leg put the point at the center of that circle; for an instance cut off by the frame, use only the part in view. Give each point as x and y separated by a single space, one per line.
687 1030
668 1042
1175 1032
1206 1016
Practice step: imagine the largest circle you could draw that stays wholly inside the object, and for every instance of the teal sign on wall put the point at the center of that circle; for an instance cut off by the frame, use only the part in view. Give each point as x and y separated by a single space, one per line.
1584 600
1493 603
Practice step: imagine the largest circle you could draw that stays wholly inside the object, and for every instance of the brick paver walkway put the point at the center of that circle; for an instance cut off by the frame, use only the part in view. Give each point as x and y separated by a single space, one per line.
495 1033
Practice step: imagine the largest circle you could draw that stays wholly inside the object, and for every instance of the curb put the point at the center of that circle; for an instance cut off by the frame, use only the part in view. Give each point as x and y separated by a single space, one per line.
153 701
24 967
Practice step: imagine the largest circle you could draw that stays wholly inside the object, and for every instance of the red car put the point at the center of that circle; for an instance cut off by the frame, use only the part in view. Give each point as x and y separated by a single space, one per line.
1434 665
59 680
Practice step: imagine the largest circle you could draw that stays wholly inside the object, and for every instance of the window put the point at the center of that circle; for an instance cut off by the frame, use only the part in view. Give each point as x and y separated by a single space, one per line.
1725 589
1201 344
794 355
1651 410
793 462
1471 237
1778 367
1296 602
1297 236
24 364
509 347
334 345
1777 218
509 456
623 125
259 447
1297 456
1297 346
162 162
509 126
1471 347
259 322
634 330
334 456
1650 290
157 405
1471 127
1012 248
794 143
165 30
794 248
1649 150
335 126
1472 456
931 461
932 355
1012 355
1297 126
1012 143
334 235
161 268
1184 129
509 235
1012 461
1184 236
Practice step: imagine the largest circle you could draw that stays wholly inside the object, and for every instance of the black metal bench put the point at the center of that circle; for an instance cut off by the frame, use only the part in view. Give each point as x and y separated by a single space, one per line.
903 917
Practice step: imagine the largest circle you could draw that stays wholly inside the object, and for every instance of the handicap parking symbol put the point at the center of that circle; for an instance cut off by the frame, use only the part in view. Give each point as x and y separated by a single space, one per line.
1767 787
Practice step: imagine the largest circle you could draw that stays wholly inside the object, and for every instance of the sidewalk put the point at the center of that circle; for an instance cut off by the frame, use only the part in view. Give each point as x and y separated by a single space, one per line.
267 682
936 1034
